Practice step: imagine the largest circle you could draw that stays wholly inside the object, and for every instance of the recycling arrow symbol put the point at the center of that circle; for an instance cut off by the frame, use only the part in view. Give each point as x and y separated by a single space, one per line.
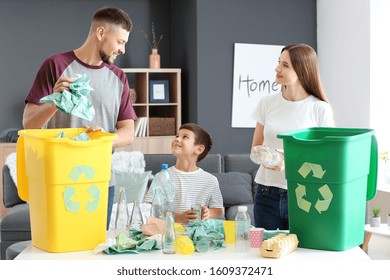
300 191
307 167
70 191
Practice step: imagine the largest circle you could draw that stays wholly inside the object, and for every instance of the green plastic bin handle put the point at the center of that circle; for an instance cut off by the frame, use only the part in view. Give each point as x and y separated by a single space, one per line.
373 175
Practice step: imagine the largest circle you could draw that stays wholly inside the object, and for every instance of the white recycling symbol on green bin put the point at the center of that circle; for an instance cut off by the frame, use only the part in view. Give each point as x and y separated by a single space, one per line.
70 191
300 192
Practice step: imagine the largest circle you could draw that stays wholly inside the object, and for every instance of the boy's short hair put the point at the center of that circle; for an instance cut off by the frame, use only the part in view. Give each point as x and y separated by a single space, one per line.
114 16
202 137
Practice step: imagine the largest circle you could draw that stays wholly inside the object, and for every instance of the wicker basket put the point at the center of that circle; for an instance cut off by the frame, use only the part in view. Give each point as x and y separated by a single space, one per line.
162 126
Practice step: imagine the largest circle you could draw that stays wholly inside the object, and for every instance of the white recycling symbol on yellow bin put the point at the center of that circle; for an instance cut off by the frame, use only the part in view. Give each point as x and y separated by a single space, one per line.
300 191
70 191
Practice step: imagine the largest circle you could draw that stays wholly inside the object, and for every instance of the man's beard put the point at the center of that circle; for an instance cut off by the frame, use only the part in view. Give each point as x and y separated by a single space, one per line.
104 57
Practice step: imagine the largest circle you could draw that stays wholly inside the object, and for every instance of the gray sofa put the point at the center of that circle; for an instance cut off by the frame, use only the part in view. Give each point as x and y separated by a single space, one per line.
235 173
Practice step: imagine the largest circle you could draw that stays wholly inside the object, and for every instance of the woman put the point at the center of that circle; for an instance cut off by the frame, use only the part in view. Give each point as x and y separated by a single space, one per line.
302 103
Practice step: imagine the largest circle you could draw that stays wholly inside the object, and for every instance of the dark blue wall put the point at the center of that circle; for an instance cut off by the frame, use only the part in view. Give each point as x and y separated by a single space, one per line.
208 30
199 37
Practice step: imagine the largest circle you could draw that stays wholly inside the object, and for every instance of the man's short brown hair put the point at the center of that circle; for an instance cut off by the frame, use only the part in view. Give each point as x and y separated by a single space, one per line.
114 16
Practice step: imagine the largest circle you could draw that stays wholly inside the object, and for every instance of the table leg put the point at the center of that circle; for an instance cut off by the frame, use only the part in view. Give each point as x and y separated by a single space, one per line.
366 240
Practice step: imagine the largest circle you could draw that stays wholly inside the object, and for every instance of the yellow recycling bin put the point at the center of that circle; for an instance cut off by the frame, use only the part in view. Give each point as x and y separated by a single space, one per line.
66 184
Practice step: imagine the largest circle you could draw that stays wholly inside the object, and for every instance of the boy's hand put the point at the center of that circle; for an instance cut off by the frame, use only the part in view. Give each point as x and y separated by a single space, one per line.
186 216
205 213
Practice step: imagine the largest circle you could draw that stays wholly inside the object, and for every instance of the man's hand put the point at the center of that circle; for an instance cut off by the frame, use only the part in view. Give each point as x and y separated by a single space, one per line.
93 128
62 84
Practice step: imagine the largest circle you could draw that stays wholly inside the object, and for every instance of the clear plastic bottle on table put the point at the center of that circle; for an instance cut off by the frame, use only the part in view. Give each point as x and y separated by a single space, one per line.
163 181
168 242
157 209
243 224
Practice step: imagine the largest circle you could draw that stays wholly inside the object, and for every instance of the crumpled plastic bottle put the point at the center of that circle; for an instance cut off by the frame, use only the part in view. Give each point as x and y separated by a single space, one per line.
266 156
163 181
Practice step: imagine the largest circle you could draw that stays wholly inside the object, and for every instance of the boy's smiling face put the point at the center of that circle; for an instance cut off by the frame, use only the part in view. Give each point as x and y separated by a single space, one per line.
184 144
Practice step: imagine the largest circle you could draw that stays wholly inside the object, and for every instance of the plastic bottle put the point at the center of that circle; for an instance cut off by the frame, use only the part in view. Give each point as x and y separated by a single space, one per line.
243 224
157 209
164 181
204 245
122 218
136 218
168 242
266 156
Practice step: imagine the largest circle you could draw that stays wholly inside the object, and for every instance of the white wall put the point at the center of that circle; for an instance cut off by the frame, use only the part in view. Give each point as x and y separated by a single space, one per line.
343 43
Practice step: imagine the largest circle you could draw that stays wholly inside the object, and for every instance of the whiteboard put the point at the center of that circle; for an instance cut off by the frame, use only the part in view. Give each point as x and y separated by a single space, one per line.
254 77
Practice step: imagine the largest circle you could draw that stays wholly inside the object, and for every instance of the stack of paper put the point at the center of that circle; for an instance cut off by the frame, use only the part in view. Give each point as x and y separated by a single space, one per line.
140 127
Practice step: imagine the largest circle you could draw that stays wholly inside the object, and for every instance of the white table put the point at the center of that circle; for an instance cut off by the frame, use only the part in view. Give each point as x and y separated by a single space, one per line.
383 230
227 253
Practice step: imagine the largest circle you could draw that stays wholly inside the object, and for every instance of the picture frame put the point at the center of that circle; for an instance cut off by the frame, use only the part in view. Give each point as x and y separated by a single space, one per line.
159 91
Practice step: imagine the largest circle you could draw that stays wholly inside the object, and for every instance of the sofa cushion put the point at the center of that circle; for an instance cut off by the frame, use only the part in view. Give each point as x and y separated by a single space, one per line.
231 212
239 163
10 192
15 225
236 188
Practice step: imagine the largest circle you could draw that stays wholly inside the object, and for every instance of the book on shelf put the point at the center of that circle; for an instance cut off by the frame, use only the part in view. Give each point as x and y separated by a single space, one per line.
140 127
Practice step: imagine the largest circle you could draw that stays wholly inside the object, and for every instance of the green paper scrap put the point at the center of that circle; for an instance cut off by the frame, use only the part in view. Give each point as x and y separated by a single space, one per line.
211 229
61 135
271 233
134 244
125 243
70 205
76 101
93 204
82 137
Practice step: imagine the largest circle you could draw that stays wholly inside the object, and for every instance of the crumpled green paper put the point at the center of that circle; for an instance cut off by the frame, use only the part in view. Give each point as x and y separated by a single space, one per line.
76 101
80 137
211 229
134 244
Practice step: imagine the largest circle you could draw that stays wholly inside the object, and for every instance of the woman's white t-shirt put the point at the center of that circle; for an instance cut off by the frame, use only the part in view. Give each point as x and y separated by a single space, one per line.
279 115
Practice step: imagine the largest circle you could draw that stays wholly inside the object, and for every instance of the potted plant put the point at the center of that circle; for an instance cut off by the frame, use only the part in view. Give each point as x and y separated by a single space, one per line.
375 219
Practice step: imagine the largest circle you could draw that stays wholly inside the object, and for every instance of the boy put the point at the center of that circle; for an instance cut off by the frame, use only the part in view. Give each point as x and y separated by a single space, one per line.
193 185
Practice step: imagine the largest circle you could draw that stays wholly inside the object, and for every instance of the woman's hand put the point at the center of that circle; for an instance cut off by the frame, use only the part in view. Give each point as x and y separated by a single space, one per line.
280 166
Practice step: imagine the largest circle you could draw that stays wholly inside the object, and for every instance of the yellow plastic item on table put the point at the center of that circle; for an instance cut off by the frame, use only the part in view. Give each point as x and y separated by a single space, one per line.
229 231
179 227
184 245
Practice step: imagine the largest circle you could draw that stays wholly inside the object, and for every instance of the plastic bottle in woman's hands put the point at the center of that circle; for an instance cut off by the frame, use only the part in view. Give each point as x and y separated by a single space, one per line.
266 156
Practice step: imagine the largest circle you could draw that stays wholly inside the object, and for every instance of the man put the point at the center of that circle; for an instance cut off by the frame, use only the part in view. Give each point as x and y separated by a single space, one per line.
108 35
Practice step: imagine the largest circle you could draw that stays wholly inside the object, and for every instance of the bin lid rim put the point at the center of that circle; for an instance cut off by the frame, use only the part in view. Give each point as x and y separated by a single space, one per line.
360 132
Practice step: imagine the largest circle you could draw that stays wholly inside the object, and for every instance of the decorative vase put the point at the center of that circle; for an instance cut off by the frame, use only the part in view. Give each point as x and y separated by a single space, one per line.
154 59
375 221
133 95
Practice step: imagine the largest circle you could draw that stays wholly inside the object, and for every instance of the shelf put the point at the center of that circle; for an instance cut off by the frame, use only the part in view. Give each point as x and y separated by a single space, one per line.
167 113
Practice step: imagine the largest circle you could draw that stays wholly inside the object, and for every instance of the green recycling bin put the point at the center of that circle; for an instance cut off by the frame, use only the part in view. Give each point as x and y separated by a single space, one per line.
331 173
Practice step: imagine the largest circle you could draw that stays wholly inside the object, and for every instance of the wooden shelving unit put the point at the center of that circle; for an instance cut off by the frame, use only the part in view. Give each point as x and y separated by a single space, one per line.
139 79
